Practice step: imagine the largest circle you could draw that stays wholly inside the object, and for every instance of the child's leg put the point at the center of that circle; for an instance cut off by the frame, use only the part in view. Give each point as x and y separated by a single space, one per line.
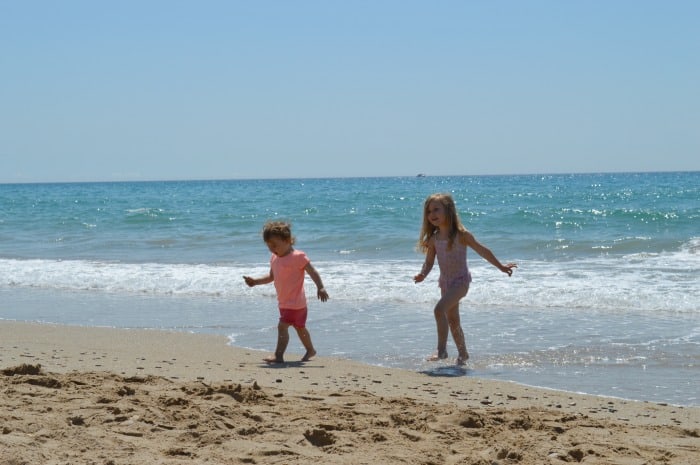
305 338
447 306
282 342
442 327
457 334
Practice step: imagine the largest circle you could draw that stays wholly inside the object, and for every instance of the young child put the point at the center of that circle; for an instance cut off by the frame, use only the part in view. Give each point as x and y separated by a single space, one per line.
443 236
287 268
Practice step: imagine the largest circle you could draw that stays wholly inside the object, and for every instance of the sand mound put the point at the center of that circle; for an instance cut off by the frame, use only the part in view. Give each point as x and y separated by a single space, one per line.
104 418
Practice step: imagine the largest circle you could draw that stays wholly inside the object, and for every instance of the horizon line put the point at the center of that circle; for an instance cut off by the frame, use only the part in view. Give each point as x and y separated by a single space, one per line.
291 178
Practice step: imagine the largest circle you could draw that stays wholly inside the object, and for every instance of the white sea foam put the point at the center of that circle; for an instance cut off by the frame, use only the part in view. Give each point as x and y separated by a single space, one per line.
639 282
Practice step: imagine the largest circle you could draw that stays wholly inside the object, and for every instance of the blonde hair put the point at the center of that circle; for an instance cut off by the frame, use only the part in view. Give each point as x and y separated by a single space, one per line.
427 229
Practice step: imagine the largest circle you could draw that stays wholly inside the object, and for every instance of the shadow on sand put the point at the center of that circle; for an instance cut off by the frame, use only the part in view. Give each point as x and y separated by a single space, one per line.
451 371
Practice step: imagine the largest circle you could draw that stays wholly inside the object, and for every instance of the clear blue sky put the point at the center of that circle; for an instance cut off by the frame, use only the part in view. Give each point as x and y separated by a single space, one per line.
142 90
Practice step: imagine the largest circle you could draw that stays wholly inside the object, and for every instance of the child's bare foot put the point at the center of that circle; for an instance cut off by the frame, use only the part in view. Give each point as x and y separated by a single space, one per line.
437 356
308 355
273 359
462 359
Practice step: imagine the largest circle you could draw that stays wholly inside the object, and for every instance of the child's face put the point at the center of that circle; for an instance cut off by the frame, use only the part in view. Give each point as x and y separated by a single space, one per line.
279 246
436 214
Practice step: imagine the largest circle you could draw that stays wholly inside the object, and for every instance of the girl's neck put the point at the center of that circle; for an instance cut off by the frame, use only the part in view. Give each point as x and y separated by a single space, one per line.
287 252
442 233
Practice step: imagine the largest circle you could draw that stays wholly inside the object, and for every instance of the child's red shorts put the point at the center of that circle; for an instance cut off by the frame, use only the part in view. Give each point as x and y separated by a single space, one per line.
295 317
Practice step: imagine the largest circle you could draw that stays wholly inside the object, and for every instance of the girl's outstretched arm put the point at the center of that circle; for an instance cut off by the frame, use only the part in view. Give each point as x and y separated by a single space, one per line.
468 238
257 281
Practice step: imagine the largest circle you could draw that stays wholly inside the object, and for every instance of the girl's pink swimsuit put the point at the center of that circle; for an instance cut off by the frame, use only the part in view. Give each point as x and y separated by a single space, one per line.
453 264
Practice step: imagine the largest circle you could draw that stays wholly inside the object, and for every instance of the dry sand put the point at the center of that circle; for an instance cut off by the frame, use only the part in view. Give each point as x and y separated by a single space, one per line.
107 396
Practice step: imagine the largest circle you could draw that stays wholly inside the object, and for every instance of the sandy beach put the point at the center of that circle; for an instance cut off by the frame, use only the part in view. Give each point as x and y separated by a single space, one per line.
110 396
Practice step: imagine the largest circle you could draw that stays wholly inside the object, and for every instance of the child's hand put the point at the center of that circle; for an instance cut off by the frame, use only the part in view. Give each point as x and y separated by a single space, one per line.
508 268
322 294
249 281
418 278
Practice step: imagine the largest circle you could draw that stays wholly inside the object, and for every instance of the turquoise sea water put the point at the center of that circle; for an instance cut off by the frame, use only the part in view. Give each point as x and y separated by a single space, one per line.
605 300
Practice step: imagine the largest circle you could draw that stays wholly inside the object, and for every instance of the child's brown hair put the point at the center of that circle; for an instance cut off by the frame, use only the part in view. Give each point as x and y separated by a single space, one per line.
279 229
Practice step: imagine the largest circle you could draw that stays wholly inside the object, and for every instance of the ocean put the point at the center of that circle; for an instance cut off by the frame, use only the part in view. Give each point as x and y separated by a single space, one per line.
605 300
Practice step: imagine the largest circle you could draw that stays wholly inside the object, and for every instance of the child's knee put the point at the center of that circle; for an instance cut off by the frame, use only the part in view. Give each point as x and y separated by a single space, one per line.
441 309
282 326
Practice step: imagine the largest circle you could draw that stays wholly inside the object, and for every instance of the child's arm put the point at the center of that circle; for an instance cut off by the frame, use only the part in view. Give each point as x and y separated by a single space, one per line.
427 265
258 281
316 278
468 238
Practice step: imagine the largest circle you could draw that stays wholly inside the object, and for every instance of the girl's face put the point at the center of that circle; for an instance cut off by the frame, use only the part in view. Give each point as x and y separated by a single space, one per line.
436 214
279 246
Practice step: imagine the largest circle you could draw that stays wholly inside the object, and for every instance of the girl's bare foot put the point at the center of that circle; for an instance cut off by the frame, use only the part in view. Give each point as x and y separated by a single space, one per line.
273 359
437 356
308 355
462 359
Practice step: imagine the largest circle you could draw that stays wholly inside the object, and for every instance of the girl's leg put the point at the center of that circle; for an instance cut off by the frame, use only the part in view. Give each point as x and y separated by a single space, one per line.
282 342
305 338
444 311
442 327
457 334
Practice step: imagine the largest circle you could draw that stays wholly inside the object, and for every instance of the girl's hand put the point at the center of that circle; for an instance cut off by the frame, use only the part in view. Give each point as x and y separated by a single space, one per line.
508 268
249 281
322 294
418 278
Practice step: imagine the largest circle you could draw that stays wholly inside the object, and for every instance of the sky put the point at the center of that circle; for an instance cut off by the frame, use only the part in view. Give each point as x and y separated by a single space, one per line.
159 90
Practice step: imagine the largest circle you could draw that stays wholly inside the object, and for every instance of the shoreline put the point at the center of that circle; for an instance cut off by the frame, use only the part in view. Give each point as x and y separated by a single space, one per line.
566 359
328 408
